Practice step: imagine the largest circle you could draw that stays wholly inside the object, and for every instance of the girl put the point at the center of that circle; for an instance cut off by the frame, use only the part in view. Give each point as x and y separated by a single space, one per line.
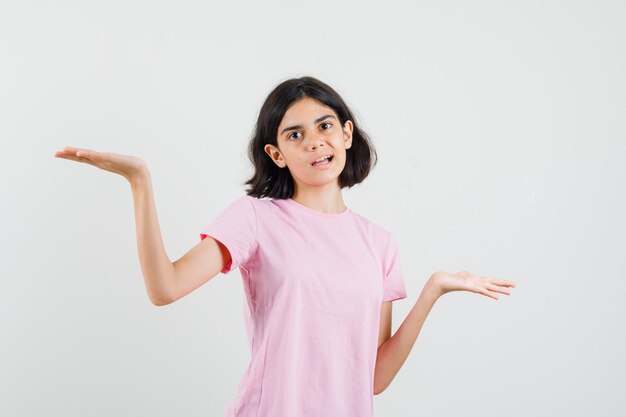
319 278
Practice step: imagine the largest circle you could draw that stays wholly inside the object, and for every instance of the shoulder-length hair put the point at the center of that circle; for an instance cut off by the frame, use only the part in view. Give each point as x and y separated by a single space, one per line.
269 180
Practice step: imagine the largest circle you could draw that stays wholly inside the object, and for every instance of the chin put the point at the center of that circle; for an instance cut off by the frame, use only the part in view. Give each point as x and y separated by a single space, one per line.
322 182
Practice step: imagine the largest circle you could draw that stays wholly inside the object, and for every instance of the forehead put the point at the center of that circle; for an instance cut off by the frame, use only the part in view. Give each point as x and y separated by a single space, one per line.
305 110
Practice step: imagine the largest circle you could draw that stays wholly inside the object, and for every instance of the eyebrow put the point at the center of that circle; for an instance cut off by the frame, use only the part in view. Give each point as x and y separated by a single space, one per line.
315 122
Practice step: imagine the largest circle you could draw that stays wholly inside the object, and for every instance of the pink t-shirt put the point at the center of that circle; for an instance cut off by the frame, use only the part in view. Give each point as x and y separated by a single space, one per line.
314 283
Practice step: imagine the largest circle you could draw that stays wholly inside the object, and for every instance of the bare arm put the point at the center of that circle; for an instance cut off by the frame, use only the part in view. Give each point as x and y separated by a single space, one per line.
158 270
165 281
393 352
200 264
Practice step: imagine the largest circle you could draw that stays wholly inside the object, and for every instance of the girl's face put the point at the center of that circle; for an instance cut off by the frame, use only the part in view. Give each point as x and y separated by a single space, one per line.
309 130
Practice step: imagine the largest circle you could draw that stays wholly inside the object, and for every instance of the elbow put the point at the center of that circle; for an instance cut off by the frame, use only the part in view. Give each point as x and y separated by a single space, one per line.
160 300
378 388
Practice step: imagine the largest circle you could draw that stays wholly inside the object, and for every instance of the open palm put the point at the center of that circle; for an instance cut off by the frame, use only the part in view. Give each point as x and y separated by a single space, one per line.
125 165
466 281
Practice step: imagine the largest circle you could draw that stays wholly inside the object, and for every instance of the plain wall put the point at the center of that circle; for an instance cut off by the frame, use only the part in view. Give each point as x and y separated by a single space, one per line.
501 140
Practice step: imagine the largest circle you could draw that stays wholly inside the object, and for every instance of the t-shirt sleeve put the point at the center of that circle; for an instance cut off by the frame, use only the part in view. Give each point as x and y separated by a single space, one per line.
235 228
393 288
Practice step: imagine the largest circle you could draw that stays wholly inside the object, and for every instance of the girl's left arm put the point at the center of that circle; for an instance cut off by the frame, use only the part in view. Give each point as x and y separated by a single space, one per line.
393 353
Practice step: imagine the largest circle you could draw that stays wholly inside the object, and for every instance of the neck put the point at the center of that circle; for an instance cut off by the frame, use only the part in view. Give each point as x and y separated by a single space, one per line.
324 199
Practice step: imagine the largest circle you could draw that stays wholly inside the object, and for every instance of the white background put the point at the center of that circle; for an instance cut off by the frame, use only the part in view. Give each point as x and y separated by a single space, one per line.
502 147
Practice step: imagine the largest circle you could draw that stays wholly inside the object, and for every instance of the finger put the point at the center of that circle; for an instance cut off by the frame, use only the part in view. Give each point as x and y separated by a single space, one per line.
94 155
500 282
78 159
490 294
88 155
64 152
69 156
505 283
70 150
498 289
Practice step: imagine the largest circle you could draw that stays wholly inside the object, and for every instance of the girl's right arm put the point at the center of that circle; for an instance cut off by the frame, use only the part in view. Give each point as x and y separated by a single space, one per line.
165 281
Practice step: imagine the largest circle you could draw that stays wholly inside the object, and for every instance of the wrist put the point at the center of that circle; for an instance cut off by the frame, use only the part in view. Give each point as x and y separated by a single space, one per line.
433 285
139 177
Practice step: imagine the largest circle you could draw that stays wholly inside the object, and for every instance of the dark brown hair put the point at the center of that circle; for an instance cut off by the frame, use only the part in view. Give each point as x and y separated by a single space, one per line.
269 180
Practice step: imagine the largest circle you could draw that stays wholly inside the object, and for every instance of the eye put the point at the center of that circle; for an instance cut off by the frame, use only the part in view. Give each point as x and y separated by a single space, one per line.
289 137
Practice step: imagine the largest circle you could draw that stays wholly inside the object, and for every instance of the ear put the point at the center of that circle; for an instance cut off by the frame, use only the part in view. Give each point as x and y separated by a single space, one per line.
275 154
347 133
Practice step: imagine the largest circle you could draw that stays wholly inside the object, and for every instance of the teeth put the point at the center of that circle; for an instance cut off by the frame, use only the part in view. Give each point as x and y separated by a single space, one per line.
322 159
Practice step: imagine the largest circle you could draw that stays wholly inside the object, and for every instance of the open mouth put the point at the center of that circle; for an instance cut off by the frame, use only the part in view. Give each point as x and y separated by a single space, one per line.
324 161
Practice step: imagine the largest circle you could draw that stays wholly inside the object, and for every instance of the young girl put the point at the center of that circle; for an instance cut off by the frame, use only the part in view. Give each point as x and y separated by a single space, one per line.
319 278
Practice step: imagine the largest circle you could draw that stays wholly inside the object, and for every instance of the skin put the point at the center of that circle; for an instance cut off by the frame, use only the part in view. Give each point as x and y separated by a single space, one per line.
393 352
129 167
319 190
315 188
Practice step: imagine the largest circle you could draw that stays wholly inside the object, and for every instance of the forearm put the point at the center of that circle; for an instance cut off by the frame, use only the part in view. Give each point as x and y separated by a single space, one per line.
158 271
393 353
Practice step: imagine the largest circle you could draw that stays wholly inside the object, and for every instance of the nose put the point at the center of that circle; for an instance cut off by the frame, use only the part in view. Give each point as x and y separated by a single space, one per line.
315 140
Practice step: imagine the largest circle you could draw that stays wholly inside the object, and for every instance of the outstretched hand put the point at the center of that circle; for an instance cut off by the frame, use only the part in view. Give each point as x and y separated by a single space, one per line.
466 281
127 166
